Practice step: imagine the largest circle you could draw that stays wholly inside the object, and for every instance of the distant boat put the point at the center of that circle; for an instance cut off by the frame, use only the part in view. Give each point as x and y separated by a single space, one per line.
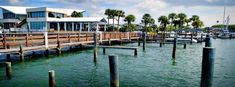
224 34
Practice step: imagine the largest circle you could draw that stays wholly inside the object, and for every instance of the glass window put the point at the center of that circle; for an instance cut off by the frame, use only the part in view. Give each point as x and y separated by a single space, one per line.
37 14
37 25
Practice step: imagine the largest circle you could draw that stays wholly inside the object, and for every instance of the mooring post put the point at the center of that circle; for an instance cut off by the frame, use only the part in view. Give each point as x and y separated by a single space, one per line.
138 41
27 40
104 51
114 74
174 47
58 48
4 41
21 52
144 40
185 45
51 78
8 57
109 42
191 40
8 70
201 38
207 66
208 41
95 47
160 44
46 43
135 52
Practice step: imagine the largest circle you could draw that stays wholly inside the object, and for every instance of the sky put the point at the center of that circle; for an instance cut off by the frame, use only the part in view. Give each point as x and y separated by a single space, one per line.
209 11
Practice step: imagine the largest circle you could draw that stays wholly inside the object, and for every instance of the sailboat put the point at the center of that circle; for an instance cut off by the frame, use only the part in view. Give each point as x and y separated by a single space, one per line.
224 34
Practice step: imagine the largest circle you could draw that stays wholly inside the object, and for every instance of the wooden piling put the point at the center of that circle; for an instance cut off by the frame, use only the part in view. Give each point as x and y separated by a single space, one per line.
4 41
191 42
138 41
95 47
21 52
27 40
185 45
8 57
160 44
58 48
114 74
208 41
144 40
135 52
51 78
207 66
8 70
174 48
109 42
104 51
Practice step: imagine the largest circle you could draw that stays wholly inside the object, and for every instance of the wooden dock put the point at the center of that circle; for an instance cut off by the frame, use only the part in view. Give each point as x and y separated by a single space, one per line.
10 43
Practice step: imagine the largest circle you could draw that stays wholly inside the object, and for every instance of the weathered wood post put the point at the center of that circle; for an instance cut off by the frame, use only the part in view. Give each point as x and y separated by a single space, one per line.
208 41
160 44
46 43
21 52
114 74
135 52
138 41
27 40
174 47
109 42
8 57
95 47
58 48
8 70
185 45
104 51
207 66
191 42
4 41
144 40
51 78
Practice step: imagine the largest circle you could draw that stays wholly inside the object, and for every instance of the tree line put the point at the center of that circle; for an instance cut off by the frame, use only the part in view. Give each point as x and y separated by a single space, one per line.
170 22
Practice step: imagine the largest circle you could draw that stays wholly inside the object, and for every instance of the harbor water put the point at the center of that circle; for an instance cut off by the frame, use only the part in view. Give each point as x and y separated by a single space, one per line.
152 68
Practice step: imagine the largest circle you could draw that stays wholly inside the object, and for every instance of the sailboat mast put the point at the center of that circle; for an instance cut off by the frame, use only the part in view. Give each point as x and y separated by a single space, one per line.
224 13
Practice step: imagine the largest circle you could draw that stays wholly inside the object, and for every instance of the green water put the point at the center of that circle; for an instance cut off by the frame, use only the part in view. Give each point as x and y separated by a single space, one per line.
153 68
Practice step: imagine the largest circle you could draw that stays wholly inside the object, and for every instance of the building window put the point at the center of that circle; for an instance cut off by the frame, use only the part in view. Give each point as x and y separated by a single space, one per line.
37 25
8 15
37 14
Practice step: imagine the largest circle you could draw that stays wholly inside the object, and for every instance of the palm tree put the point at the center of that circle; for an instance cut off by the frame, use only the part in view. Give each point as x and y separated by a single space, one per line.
76 14
181 17
147 19
108 13
195 17
119 14
163 22
197 24
172 17
187 21
130 18
113 13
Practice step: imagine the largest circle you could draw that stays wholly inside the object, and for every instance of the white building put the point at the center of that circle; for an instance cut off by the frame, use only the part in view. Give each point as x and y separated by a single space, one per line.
48 19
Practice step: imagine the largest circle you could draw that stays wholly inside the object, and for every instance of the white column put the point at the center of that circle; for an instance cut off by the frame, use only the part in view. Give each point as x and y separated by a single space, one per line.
88 26
45 27
80 27
48 26
105 27
46 39
65 26
58 26
29 26
72 26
